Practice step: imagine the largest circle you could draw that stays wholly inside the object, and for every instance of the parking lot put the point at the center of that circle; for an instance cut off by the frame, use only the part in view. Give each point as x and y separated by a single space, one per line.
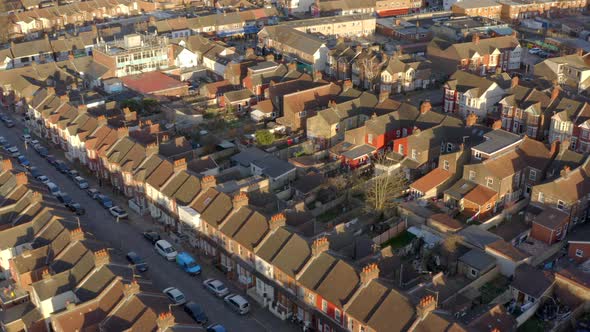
123 235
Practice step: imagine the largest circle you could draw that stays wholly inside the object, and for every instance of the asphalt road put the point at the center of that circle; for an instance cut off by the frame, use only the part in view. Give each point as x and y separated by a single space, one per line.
125 237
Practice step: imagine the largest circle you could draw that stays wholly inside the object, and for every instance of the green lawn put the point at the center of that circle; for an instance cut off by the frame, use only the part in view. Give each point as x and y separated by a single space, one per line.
403 239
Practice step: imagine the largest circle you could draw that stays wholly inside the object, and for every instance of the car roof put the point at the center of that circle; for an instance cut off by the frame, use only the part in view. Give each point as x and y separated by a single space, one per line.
239 299
175 292
216 282
164 243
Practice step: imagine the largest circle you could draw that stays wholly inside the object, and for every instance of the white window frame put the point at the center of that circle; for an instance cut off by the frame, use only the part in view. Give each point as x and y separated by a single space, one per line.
337 315
477 155
541 197
532 175
579 253
472 175
446 165
562 204
324 305
489 182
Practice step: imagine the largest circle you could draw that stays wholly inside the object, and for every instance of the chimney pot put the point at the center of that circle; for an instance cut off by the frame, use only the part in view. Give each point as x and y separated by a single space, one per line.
425 107
6 165
369 273
21 179
514 82
240 200
76 234
497 125
208 182
319 246
471 120
277 221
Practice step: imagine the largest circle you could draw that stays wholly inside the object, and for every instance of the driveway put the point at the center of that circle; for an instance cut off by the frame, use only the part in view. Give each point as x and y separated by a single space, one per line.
126 236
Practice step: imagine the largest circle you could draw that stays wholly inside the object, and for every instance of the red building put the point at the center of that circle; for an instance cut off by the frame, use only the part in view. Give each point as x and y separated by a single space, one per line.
579 244
550 226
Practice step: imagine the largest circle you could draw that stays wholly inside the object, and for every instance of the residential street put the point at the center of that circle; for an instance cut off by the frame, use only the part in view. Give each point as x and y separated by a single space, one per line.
126 236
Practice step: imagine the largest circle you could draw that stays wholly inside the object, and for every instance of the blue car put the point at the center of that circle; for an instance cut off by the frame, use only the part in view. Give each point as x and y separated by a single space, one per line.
105 201
23 161
216 328
188 263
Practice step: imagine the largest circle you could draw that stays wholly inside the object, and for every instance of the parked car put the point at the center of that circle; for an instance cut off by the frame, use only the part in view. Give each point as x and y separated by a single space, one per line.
238 303
13 151
166 250
196 312
53 188
61 167
64 198
216 287
118 213
153 237
105 201
34 143
216 328
43 152
73 173
188 263
50 159
27 138
175 295
137 261
43 179
3 140
76 208
9 123
35 172
81 182
23 161
93 193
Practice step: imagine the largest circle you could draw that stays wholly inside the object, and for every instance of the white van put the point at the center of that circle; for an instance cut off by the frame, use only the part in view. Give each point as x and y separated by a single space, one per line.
53 188
238 303
166 250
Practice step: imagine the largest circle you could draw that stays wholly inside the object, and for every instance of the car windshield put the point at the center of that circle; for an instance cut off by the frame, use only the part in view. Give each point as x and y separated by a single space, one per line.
179 297
220 287
169 250
192 264
66 198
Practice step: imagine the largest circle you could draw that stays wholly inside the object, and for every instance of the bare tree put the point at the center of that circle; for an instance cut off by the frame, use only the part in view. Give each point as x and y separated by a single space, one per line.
381 191
450 246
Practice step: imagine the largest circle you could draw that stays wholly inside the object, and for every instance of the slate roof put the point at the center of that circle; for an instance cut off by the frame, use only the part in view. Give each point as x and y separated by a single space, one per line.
301 41
497 140
466 82
478 259
531 280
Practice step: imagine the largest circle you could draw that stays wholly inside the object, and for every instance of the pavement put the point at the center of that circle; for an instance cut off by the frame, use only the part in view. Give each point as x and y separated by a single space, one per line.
126 236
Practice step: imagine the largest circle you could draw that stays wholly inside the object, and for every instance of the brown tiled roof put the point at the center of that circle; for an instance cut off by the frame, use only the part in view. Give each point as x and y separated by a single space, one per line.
431 180
188 191
447 221
286 251
217 210
480 195
396 306
507 250
160 175
531 280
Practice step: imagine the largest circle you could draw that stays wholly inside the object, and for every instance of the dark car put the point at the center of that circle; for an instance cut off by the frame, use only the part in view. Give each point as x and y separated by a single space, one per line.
43 152
23 161
35 172
9 123
153 237
105 201
93 193
50 159
134 259
64 198
196 312
61 167
76 208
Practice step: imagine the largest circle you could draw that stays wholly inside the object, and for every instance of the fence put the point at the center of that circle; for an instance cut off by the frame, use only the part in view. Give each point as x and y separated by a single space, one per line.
330 205
527 314
394 231
497 219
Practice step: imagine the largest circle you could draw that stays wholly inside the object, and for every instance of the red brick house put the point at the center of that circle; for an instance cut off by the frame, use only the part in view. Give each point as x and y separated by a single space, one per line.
579 244
480 202
550 226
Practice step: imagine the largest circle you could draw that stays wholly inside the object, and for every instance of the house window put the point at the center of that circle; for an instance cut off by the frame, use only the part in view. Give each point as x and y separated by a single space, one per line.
400 149
532 175
446 165
489 206
489 182
449 147
324 305
561 205
302 114
477 155
558 232
472 175
541 198
337 316
579 253
473 272
414 154
370 138
350 324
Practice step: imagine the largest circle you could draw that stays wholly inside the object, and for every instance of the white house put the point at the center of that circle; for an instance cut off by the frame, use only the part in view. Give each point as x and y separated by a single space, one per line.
467 93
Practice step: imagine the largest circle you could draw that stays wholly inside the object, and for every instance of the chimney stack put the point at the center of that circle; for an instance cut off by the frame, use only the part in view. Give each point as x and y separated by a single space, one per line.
565 171
151 149
471 120
21 179
131 289
101 258
426 305
76 235
64 98
6 165
270 57
580 52
102 120
122 132
347 85
180 165
292 66
555 92
82 108
497 125
317 76
37 197
50 90
249 52
277 221
45 274
208 182
514 82
554 148
475 38
383 95
165 321
369 273
425 107
240 200
319 246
